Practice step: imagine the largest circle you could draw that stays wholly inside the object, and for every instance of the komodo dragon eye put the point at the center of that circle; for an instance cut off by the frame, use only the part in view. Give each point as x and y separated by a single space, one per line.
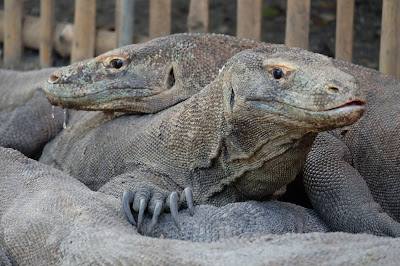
277 73
116 63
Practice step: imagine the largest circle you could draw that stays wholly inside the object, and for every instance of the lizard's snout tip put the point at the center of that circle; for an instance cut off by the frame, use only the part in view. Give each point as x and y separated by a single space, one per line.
53 78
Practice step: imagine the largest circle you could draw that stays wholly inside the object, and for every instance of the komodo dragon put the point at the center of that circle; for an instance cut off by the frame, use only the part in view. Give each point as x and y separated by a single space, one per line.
358 165
25 114
245 136
50 218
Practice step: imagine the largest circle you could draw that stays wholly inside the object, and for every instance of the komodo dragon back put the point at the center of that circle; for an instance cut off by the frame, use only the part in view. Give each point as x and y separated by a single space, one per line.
147 77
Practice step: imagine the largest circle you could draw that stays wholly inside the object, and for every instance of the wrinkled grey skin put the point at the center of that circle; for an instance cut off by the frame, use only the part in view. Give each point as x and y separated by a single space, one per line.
352 175
245 136
365 159
50 218
146 77
25 115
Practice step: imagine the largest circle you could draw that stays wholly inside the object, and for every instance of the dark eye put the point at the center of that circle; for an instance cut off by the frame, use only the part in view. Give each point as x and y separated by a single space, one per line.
116 63
277 73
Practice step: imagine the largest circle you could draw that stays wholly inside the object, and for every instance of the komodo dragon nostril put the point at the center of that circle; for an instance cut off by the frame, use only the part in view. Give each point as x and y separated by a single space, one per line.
333 88
53 78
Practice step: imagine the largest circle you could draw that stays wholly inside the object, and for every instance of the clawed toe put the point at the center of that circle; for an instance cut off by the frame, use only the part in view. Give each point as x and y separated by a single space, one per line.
188 197
173 206
156 202
127 199
156 215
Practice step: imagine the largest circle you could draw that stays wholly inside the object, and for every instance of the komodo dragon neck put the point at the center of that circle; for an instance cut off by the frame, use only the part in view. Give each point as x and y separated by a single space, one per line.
252 167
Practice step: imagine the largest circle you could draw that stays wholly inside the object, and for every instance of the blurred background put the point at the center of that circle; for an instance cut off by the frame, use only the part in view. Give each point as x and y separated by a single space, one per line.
223 19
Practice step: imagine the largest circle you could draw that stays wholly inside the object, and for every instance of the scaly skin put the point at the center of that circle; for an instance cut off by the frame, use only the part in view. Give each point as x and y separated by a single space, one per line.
26 123
378 159
148 78
245 136
49 218
352 174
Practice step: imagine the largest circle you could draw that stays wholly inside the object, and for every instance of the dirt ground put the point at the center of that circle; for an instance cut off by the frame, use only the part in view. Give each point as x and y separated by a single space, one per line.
367 21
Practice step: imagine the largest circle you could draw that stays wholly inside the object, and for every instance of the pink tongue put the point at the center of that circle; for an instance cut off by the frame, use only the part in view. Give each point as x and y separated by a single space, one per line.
353 103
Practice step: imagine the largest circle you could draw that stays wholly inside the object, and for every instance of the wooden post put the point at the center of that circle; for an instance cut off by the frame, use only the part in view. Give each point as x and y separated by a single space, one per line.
389 38
46 32
297 23
344 30
124 21
160 18
249 19
63 35
198 18
83 44
13 32
398 40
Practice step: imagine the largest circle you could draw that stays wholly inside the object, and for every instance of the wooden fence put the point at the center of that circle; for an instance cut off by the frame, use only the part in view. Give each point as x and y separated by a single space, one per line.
82 41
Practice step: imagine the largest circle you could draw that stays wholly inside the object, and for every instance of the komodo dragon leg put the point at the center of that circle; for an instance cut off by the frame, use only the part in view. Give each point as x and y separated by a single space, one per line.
340 194
146 193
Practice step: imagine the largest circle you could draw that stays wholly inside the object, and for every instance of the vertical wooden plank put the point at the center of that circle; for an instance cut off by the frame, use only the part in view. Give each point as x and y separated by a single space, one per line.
47 25
389 39
124 21
160 18
249 19
13 14
198 18
83 43
344 30
297 23
398 39
118 4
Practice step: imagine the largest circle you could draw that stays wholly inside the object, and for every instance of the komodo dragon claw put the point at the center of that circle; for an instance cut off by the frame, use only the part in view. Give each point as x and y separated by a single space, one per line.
171 204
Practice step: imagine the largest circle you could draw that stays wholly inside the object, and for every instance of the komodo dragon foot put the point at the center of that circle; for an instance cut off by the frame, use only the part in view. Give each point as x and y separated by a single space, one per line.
156 201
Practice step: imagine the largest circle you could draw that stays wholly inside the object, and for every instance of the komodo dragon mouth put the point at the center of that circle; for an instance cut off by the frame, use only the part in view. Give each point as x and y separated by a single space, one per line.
349 104
356 104
77 99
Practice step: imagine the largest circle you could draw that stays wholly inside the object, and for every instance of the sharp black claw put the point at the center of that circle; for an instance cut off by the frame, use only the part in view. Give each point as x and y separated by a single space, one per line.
156 214
127 199
142 208
173 206
189 200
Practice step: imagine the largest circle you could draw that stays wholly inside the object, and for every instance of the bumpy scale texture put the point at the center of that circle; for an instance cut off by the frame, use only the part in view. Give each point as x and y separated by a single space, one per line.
359 167
50 218
352 174
26 123
147 77
245 136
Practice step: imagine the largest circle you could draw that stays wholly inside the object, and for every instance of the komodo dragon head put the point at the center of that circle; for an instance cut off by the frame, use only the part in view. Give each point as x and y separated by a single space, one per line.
297 87
144 78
